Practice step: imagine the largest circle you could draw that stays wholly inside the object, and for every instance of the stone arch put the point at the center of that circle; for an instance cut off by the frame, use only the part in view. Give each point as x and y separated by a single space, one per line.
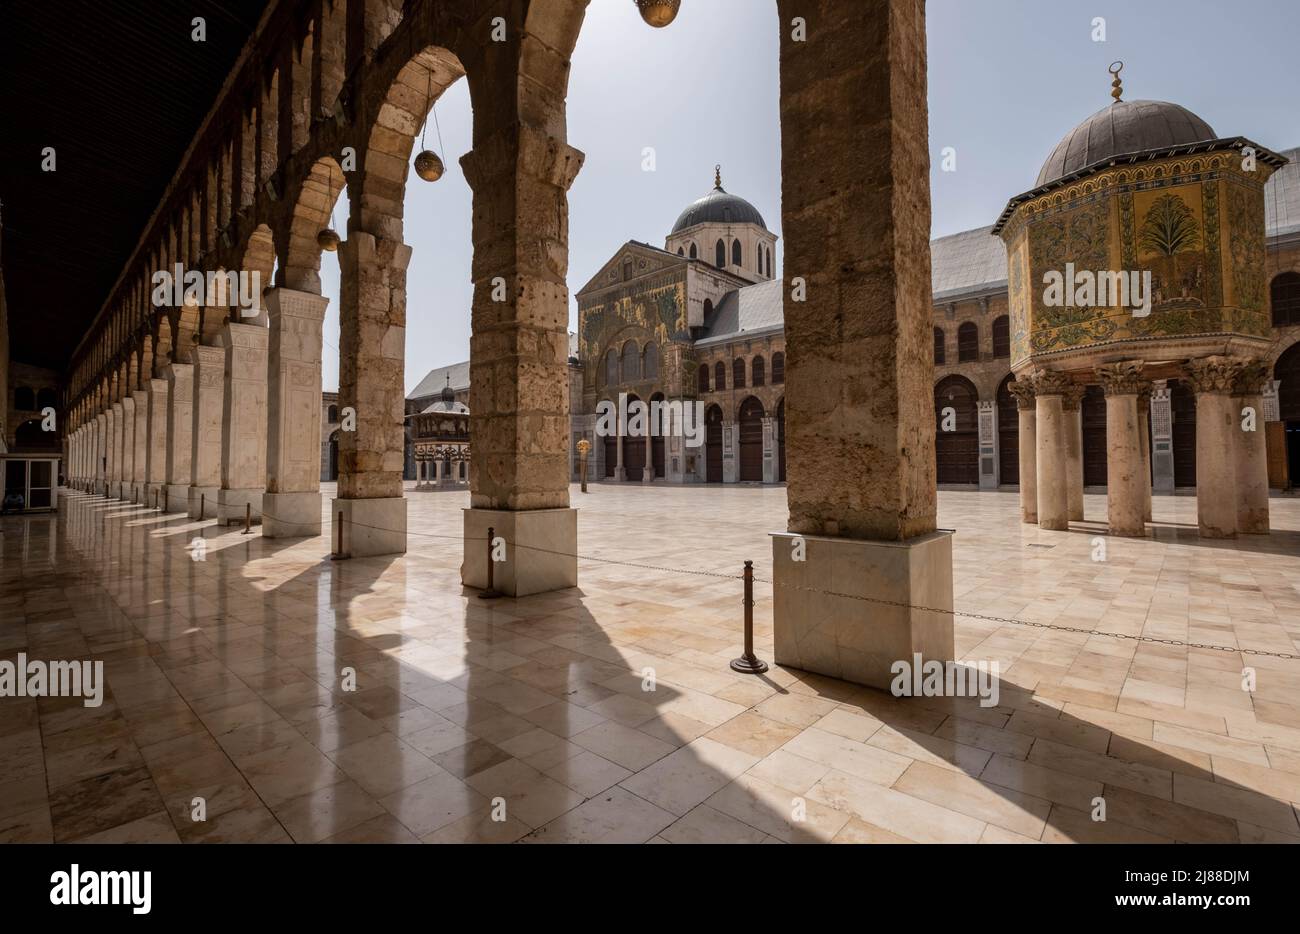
258 257
713 443
398 119
313 201
631 363
1008 432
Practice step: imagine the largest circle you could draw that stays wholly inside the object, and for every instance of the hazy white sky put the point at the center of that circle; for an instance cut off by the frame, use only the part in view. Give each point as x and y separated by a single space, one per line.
1008 78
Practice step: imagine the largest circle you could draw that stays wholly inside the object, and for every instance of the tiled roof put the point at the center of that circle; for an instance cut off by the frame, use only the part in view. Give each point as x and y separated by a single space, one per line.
750 309
970 261
1282 197
432 383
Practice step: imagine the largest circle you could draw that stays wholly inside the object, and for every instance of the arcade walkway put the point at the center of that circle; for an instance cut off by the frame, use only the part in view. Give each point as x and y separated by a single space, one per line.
224 663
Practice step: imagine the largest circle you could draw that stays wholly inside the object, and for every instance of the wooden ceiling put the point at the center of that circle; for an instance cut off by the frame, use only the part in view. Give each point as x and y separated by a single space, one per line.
118 88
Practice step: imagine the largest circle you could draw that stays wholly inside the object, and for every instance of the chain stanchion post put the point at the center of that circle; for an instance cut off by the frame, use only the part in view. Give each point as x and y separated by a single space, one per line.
203 505
339 553
248 519
166 501
749 663
491 592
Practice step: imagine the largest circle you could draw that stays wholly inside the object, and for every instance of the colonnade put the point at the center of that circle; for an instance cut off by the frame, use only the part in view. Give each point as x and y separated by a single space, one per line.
1231 460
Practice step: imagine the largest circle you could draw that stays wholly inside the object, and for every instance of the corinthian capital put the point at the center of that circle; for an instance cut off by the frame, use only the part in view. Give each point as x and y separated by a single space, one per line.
1022 388
1052 383
1214 374
1253 378
1123 378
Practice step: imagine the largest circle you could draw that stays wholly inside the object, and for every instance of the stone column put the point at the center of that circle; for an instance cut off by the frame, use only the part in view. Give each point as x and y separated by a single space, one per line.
114 446
1162 438
155 463
180 434
1022 388
1251 448
1144 431
141 441
1123 383
1213 380
860 461
1071 406
520 171
291 506
1053 474
243 422
128 447
648 472
372 348
101 450
205 431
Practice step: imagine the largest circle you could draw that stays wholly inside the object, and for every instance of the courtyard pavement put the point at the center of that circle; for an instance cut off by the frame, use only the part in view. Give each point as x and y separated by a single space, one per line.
281 696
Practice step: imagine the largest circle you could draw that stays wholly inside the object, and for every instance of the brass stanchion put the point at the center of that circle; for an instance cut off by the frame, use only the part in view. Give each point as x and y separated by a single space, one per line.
584 446
491 592
203 505
166 503
749 663
248 519
339 553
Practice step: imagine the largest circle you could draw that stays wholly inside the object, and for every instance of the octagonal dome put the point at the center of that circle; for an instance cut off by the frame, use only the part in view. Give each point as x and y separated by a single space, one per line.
1122 128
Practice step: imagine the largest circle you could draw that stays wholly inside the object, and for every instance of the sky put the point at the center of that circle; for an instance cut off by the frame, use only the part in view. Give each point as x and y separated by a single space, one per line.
1007 79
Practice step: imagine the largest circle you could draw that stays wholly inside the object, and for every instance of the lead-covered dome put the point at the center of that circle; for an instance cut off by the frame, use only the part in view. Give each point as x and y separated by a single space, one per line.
719 207
1122 128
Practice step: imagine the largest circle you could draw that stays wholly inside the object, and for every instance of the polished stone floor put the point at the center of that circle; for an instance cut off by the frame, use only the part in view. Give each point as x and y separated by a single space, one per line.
226 657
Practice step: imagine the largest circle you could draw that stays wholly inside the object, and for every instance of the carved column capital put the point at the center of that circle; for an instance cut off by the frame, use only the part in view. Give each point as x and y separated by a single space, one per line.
1123 378
1052 383
1072 398
1214 374
1022 389
1254 378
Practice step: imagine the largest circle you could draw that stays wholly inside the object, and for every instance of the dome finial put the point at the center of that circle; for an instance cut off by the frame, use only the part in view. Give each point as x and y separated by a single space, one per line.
1116 86
717 176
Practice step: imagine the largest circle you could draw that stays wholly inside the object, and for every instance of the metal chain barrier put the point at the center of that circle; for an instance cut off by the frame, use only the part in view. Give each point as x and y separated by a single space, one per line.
874 600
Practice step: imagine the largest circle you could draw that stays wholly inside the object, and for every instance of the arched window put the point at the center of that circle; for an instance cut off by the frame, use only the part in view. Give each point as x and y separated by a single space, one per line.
681 252
738 373
720 254
968 343
778 368
631 362
47 398
762 260
708 309
704 378
759 371
650 362
1284 296
627 269
719 377
611 367
736 255
24 399
695 254
1001 336
940 356
333 414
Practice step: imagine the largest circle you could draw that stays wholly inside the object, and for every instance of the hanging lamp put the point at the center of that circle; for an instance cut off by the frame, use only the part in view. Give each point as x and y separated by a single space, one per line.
327 238
428 164
658 13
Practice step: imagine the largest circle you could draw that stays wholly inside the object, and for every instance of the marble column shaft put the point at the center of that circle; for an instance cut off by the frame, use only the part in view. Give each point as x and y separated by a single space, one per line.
1213 380
1023 390
1052 473
1125 500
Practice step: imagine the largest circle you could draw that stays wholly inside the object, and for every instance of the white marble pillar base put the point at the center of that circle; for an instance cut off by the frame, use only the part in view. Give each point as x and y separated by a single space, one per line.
550 563
370 526
291 515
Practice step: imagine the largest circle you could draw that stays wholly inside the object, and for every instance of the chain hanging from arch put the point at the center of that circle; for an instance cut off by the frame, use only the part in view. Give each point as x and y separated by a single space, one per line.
429 165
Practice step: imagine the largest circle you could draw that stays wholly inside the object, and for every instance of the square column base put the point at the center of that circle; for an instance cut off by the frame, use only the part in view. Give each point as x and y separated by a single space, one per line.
178 497
149 490
204 497
231 505
291 515
856 640
370 526
540 550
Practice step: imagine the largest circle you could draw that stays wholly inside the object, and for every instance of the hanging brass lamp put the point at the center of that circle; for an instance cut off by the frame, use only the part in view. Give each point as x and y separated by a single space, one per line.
658 13
428 164
327 238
